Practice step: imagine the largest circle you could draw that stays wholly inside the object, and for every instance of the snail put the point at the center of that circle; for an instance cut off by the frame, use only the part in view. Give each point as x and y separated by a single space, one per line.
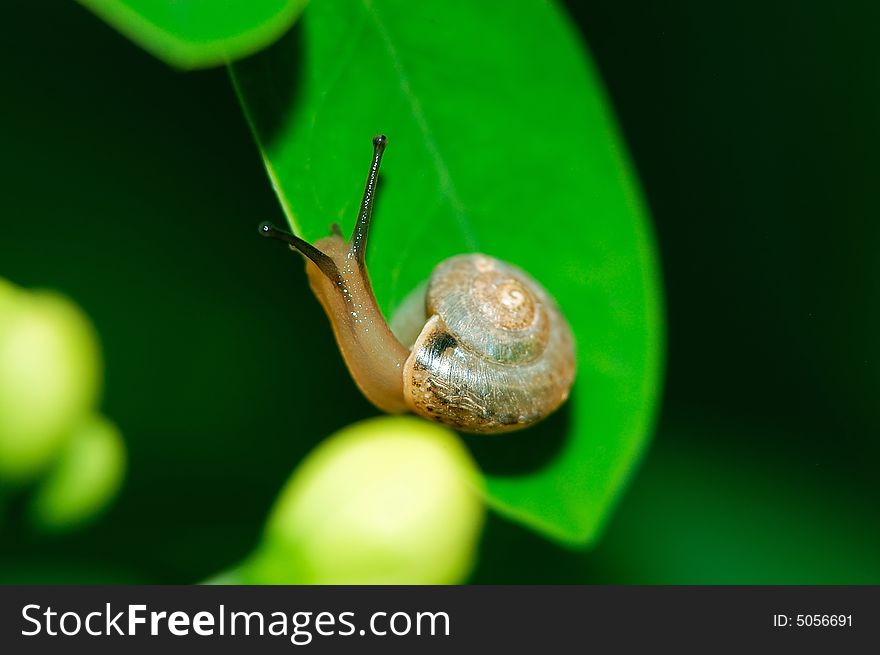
492 353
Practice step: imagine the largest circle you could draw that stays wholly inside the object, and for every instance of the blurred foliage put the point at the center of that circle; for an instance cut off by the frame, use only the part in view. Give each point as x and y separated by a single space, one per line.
752 125
50 372
199 33
475 164
50 376
85 478
392 500
714 507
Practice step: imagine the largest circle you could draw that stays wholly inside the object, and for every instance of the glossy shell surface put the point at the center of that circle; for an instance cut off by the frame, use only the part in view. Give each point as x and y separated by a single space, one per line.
495 354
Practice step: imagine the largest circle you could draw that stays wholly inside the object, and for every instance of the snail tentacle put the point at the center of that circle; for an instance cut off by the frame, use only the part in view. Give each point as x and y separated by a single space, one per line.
320 259
490 350
358 241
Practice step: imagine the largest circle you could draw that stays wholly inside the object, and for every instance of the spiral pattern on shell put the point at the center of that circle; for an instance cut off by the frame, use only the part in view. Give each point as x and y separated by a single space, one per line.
496 354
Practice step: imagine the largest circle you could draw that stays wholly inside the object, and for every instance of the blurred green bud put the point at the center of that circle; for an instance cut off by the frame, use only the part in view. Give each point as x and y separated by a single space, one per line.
9 294
392 500
83 480
50 373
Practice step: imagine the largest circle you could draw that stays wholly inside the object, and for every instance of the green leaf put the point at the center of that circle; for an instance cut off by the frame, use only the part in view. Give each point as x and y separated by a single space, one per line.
500 141
199 33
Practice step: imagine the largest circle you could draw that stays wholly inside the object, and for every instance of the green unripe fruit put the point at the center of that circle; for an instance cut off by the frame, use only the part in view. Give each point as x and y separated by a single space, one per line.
393 500
50 372
9 294
83 480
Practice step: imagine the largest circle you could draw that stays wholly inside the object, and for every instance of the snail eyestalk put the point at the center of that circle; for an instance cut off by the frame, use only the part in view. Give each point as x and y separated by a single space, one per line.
321 260
359 236
494 353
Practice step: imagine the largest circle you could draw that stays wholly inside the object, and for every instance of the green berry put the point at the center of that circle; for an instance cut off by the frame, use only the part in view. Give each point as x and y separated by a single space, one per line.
84 479
393 500
50 370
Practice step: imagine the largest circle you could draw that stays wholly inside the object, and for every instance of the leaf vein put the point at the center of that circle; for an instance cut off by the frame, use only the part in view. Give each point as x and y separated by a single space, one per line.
447 186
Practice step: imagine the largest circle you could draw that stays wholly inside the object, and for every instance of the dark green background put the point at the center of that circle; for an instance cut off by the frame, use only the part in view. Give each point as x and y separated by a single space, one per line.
754 128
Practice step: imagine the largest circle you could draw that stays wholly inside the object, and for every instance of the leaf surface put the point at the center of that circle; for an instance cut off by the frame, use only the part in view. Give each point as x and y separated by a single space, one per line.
199 33
500 141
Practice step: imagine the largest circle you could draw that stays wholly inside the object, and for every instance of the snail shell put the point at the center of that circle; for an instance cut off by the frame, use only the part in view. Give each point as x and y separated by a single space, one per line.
493 353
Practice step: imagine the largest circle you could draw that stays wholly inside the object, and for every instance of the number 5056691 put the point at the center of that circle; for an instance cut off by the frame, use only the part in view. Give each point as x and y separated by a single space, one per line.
823 620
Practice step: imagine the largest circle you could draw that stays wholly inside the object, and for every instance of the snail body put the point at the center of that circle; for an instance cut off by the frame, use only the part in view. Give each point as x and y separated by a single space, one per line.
494 352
